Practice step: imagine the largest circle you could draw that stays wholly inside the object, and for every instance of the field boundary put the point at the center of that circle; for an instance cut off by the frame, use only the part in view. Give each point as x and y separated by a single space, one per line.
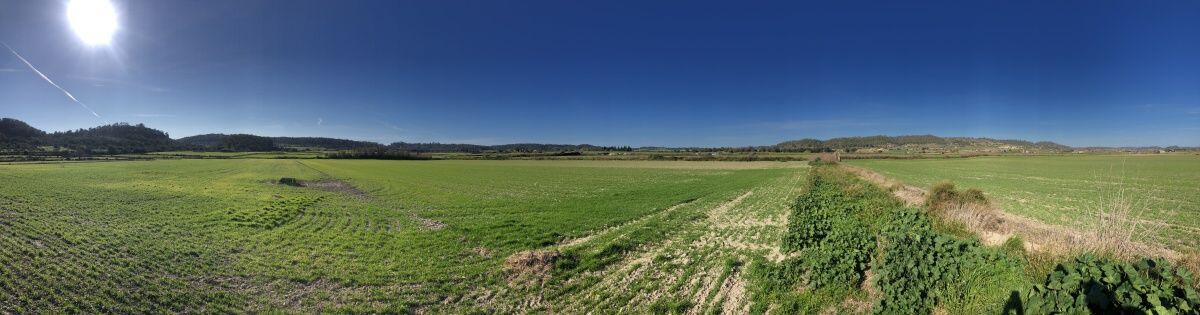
1001 225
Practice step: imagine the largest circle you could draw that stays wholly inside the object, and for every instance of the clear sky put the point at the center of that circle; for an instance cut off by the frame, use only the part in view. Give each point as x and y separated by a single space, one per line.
686 73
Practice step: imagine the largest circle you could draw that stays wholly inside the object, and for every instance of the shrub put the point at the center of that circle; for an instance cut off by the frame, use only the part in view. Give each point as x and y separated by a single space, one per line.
843 256
827 228
1147 286
919 264
944 196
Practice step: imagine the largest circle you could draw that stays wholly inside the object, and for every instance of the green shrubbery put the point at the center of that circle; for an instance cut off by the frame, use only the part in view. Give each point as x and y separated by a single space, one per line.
843 256
1097 285
919 265
944 196
842 226
826 228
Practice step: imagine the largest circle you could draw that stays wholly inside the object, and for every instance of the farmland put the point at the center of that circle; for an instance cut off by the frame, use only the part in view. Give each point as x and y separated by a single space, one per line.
1067 190
377 236
518 236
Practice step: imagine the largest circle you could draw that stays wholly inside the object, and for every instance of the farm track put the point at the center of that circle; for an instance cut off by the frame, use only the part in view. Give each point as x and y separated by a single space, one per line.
699 269
1038 236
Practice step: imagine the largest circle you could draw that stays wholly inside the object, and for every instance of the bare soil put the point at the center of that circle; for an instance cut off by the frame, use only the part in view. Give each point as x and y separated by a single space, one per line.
530 268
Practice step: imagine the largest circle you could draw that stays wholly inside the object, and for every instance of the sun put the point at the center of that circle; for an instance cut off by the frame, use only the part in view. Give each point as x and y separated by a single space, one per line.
94 21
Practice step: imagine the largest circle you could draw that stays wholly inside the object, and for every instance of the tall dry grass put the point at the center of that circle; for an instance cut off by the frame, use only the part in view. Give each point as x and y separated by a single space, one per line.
1117 226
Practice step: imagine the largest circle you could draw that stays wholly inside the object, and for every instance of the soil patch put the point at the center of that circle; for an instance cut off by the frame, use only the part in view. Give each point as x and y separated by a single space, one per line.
430 224
532 267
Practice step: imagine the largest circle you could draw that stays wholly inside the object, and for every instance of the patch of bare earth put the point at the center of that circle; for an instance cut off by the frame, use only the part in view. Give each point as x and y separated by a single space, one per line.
429 224
733 293
863 305
1112 234
482 251
530 268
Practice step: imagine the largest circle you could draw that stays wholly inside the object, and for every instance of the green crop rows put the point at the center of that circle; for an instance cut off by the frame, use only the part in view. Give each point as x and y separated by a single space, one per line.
220 236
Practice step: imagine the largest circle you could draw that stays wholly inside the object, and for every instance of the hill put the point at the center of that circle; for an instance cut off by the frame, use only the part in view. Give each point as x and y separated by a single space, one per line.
113 138
920 144
215 141
107 139
514 147
16 134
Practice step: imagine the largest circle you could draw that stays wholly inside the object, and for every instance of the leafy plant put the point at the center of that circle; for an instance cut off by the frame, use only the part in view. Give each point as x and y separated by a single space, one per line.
919 264
843 256
1099 285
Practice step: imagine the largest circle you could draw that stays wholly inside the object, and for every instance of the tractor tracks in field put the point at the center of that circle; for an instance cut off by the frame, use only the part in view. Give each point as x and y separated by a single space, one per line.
615 228
701 266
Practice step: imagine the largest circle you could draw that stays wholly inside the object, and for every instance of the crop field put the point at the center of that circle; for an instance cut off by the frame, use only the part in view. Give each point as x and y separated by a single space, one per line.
385 236
1163 190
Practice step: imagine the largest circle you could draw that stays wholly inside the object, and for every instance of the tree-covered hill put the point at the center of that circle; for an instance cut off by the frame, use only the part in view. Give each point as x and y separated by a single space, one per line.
217 141
17 134
515 147
108 139
113 138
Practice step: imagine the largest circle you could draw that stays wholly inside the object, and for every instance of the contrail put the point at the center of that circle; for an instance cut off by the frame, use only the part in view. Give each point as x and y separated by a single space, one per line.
43 75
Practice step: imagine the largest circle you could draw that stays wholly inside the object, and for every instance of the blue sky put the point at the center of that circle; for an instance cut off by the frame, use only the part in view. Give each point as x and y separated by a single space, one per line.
686 73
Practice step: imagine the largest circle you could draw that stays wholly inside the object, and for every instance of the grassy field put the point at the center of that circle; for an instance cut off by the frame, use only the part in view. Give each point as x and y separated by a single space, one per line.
388 236
1068 190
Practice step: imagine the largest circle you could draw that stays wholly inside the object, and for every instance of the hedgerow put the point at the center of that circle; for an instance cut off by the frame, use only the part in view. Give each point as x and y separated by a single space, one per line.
825 225
1099 285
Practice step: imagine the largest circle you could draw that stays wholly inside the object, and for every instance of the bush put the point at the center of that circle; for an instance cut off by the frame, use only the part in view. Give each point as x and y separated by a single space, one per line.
843 256
919 264
1147 286
944 196
825 226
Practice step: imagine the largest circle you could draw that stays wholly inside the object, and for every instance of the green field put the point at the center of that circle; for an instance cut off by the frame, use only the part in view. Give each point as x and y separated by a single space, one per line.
1067 190
220 236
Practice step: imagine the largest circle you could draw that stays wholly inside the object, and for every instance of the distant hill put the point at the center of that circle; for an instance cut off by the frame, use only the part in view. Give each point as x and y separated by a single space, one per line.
108 139
15 134
216 141
920 143
515 147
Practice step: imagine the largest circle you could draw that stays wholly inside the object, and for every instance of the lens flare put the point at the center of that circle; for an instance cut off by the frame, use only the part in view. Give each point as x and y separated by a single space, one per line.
94 21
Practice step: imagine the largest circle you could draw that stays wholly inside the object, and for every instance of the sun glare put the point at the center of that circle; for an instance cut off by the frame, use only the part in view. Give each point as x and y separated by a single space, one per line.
94 21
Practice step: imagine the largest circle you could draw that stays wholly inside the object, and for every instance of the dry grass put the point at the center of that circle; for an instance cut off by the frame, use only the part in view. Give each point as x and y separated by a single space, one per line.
1116 225
532 267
